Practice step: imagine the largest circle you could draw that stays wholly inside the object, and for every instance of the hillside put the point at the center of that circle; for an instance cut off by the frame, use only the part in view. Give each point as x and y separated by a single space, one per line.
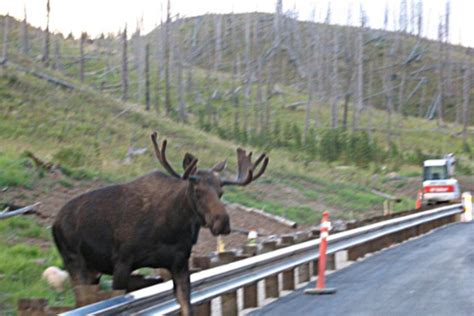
325 169
83 128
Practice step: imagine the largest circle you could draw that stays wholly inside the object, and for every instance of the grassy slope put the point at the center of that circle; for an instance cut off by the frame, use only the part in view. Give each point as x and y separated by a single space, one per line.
25 251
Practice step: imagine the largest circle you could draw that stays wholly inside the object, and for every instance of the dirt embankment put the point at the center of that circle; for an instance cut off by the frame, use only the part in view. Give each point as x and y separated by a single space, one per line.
53 193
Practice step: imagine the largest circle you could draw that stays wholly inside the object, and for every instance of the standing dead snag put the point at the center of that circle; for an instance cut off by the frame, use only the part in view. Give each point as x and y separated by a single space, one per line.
153 221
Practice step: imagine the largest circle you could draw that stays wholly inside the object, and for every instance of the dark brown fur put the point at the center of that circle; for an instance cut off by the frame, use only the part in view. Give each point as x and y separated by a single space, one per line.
151 222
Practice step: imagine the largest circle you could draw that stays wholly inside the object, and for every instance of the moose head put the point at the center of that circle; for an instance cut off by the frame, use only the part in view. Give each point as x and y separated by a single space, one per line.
206 185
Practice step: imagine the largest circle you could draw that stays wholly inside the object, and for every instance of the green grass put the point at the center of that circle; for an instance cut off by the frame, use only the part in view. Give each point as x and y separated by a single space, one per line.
23 258
13 171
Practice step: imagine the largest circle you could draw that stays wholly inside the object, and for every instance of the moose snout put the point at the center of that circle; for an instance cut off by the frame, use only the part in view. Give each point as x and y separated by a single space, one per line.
220 225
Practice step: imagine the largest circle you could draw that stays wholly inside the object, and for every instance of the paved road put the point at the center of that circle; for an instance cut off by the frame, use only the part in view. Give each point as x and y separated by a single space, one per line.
431 275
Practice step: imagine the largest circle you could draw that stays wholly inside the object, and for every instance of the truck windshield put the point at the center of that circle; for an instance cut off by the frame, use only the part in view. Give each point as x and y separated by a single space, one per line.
435 173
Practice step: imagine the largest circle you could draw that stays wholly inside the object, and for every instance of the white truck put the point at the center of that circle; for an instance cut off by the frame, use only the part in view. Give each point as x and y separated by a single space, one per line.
439 184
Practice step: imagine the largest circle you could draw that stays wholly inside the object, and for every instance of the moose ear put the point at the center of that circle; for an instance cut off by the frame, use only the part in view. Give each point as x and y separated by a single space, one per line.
188 159
220 166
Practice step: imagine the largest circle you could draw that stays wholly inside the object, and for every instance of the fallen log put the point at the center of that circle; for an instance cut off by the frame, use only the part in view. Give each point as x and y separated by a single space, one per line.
26 209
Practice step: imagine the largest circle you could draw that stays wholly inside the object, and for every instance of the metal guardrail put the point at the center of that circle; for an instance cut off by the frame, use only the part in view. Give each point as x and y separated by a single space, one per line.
211 283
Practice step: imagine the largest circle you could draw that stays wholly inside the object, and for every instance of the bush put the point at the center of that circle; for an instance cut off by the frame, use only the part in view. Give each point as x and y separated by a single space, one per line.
70 157
331 145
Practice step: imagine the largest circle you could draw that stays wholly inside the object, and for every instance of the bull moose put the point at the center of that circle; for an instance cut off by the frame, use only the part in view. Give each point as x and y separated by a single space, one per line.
153 221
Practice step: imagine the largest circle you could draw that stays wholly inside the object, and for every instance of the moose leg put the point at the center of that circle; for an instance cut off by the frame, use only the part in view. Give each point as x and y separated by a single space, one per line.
182 289
121 276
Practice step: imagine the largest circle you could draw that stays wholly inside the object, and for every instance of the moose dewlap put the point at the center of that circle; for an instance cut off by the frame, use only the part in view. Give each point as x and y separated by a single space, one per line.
153 221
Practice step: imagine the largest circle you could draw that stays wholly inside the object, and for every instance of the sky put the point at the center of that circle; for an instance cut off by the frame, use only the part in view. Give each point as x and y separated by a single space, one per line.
109 16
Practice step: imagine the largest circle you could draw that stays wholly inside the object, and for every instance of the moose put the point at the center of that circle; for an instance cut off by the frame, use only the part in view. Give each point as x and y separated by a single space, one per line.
152 221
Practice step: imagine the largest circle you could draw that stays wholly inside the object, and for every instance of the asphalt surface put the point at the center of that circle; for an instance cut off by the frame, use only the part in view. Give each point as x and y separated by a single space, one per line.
431 275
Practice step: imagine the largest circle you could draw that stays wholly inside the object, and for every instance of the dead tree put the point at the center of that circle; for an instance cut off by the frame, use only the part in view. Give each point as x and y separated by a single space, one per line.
124 65
467 88
45 58
25 47
349 66
179 68
58 65
248 74
440 75
138 54
147 76
359 91
81 56
167 59
159 58
5 39
335 81
218 42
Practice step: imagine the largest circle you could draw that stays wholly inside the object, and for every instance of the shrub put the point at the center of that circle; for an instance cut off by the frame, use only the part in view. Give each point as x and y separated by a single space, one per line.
331 144
72 157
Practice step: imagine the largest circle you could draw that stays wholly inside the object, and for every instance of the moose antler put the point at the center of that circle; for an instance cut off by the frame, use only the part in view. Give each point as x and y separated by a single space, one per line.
246 169
161 155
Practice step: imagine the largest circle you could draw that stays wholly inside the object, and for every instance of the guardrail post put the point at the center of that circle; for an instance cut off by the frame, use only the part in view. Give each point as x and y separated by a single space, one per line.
203 309
303 273
286 240
250 250
203 262
250 291
315 267
288 279
271 282
250 295
226 257
331 262
229 304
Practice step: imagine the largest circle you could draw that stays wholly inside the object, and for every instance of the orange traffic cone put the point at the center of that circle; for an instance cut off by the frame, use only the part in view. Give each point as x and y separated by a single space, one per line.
419 199
323 243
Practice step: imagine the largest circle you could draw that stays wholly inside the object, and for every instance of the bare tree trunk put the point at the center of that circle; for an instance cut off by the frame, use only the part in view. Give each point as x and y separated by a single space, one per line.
124 66
179 66
467 88
422 101
258 73
335 82
440 70
218 43
248 74
235 94
369 107
310 89
387 78
5 39
147 77
138 58
167 60
81 56
58 65
158 66
45 58
360 79
266 119
25 47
